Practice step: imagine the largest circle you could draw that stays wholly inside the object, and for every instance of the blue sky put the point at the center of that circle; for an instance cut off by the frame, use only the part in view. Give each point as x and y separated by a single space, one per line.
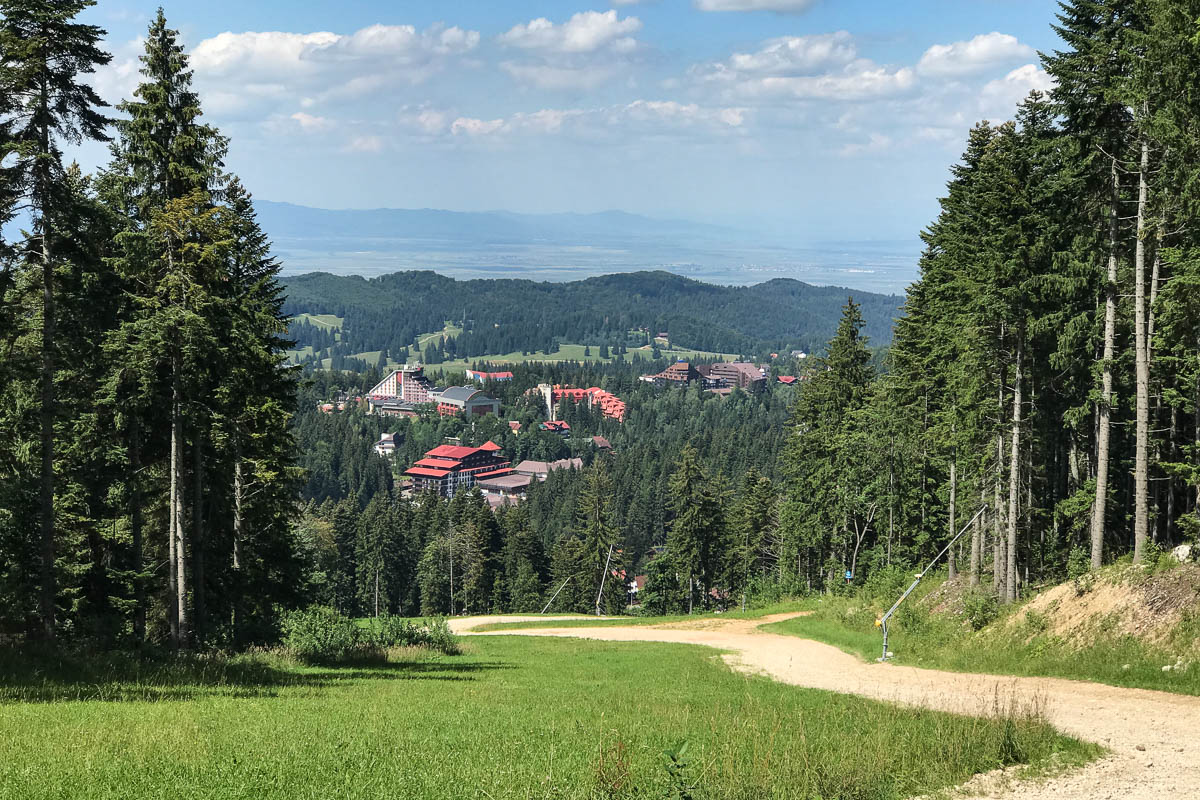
831 119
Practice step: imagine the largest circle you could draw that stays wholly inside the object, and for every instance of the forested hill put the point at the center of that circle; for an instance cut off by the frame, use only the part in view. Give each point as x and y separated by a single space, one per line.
507 315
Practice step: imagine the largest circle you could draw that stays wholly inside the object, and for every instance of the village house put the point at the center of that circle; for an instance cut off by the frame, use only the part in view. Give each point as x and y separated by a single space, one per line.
386 446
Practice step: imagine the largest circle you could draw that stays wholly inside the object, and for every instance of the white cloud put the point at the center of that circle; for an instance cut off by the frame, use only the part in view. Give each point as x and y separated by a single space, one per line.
310 122
585 32
236 72
999 98
548 76
787 55
365 144
788 6
875 143
818 67
980 54
647 117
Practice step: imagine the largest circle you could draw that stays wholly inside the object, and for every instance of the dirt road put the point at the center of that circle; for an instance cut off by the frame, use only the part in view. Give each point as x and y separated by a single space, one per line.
1151 734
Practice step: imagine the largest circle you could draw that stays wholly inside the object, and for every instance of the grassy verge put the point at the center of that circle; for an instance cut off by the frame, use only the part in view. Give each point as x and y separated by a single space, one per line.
514 718
1015 644
602 622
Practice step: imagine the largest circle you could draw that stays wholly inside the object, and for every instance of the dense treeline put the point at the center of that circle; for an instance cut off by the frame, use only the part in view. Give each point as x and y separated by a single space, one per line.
1048 361
507 316
146 462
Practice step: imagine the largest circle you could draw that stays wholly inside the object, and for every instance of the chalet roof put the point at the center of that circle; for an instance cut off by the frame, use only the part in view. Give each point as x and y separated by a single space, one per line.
601 442
489 446
425 472
451 451
494 473
439 463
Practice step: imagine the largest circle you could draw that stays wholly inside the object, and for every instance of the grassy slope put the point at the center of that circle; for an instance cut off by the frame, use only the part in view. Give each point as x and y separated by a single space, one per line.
565 351
512 718
1015 644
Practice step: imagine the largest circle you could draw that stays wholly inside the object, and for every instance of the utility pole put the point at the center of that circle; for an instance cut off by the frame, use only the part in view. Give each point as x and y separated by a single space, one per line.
603 575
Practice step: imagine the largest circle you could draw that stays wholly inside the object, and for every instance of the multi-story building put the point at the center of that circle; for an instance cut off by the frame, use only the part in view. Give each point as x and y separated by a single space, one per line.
720 377
466 401
680 373
450 469
407 385
741 374
609 404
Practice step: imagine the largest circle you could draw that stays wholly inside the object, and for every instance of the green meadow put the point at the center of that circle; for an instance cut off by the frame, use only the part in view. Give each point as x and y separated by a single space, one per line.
511 717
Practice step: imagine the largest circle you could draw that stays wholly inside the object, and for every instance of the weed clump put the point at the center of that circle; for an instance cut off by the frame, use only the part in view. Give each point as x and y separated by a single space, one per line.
321 635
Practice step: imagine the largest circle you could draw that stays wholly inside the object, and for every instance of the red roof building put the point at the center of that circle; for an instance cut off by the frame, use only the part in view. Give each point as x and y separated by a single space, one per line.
609 404
477 375
449 469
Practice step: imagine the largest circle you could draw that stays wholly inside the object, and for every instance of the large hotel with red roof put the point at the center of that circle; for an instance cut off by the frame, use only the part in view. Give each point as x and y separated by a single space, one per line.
450 468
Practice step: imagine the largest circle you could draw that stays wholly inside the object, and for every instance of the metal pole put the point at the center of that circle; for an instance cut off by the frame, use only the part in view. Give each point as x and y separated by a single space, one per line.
551 600
883 621
604 575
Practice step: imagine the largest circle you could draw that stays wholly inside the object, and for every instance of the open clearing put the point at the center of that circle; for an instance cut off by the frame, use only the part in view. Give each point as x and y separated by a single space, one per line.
1140 727
512 717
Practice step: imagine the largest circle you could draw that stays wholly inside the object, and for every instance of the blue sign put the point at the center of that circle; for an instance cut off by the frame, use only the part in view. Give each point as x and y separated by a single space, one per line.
849 575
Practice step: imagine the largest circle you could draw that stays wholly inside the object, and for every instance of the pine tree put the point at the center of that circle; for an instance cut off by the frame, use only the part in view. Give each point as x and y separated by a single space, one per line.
45 54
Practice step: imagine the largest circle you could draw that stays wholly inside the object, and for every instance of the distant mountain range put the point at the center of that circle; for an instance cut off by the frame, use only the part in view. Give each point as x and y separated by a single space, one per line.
559 247
285 220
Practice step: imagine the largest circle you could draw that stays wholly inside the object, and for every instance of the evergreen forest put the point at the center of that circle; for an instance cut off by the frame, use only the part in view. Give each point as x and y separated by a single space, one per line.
170 480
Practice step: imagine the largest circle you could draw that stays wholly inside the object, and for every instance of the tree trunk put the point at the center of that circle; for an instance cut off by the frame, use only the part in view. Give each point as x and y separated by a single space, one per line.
1104 405
239 490
1014 473
199 604
999 572
135 526
977 542
1141 471
181 611
953 568
173 521
49 583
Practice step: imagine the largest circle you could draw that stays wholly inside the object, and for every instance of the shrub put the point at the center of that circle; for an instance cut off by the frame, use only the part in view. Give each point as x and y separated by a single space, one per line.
1036 623
980 609
1078 563
320 635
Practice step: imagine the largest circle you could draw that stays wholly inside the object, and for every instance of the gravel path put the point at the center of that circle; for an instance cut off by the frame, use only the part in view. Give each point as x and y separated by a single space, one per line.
1152 735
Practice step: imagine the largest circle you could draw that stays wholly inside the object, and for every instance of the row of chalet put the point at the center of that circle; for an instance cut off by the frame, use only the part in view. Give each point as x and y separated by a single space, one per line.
721 377
449 469
606 402
405 389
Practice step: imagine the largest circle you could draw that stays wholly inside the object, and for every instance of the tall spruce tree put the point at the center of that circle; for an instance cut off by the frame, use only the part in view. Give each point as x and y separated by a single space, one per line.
45 53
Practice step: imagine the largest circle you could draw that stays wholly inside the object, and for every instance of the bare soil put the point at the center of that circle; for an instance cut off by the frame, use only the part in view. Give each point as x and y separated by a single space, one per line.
1151 735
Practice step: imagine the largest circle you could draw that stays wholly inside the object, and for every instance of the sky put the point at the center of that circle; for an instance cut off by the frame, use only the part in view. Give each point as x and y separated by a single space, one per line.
827 119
